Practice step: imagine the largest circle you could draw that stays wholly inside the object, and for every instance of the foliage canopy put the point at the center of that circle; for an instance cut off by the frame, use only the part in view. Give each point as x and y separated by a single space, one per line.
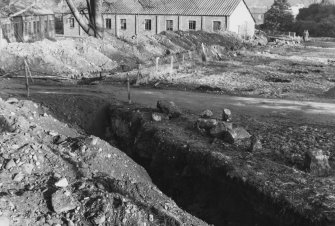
278 17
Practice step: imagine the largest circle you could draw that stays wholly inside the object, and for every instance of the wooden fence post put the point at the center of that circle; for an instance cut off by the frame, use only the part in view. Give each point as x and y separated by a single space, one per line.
138 72
27 80
171 69
157 62
204 56
128 87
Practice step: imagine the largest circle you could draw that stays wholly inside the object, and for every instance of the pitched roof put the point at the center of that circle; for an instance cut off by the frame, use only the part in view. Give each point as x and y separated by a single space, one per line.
34 10
172 7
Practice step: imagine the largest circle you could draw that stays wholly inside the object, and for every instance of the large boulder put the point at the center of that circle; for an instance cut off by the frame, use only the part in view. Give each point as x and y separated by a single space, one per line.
220 128
169 108
233 135
205 125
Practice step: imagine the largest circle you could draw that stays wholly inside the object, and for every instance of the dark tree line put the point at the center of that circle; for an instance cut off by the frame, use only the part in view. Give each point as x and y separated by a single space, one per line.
318 19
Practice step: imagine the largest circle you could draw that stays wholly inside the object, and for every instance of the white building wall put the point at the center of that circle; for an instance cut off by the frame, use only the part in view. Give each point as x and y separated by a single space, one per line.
208 21
73 31
161 20
241 21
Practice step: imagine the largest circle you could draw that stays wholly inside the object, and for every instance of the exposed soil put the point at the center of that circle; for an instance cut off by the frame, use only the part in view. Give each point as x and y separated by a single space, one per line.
52 175
295 73
199 173
221 183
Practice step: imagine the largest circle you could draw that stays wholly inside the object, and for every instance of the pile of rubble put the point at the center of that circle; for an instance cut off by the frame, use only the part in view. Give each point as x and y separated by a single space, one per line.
207 124
52 175
223 129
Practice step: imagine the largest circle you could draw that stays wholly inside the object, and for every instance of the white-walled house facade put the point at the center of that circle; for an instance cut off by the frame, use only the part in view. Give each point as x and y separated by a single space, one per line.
127 18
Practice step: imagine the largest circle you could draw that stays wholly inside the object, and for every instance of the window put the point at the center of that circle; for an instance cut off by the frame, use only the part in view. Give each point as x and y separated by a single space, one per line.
25 28
123 24
29 27
35 27
169 25
38 25
45 26
71 20
109 23
148 24
192 24
216 25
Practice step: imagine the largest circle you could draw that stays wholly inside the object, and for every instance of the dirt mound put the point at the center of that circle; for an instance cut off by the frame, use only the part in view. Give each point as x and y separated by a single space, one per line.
69 57
84 57
193 39
51 175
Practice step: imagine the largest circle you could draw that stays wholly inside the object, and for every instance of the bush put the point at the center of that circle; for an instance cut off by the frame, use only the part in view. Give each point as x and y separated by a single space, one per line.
318 19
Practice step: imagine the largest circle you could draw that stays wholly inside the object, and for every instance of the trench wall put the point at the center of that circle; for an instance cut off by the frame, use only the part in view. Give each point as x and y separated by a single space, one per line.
199 180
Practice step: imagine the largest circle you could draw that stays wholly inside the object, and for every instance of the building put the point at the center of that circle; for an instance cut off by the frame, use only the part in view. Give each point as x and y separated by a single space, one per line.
126 18
258 14
34 24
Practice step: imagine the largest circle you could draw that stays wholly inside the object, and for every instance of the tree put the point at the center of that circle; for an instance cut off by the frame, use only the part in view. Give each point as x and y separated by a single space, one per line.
95 22
318 19
279 16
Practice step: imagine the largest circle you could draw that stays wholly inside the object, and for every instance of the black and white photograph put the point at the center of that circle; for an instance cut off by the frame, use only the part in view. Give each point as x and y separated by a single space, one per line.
167 112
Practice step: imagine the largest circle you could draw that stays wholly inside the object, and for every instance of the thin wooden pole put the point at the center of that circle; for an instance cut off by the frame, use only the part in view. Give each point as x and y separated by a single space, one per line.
128 87
138 73
28 70
171 66
157 62
27 81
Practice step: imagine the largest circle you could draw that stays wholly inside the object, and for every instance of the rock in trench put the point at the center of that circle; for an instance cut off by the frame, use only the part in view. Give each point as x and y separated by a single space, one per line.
10 164
232 135
158 117
206 124
206 114
316 161
169 108
226 115
12 100
255 144
62 183
62 201
220 128
18 177
27 168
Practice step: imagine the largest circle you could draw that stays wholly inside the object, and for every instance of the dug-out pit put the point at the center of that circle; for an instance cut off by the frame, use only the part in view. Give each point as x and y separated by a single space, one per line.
209 181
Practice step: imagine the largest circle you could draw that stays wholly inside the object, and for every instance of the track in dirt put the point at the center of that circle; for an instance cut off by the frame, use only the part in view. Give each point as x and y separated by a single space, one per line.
299 112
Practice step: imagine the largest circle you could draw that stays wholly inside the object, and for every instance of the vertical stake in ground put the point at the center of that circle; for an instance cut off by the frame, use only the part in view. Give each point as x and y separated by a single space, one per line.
203 55
26 75
190 54
183 59
171 66
157 63
128 87
138 73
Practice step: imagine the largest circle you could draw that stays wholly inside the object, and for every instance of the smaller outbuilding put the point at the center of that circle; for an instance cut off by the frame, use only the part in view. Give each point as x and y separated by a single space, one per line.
33 24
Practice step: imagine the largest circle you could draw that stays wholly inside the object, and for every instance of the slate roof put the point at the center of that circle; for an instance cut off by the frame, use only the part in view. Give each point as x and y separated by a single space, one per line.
172 7
35 10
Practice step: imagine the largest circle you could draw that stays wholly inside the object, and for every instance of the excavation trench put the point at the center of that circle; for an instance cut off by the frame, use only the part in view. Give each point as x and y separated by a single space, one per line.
182 163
